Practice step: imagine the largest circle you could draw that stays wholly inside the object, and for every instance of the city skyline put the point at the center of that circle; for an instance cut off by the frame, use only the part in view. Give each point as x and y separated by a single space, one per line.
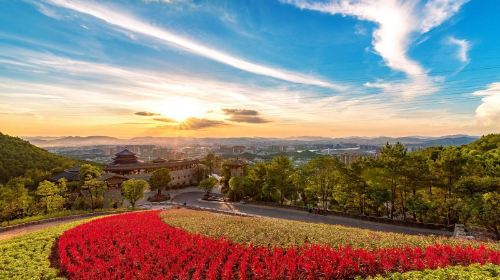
266 68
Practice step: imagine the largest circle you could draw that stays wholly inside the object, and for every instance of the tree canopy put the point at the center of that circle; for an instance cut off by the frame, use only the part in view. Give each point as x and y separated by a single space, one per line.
18 157
160 179
133 190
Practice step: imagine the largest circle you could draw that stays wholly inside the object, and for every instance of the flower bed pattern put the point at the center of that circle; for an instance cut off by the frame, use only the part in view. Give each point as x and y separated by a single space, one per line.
141 246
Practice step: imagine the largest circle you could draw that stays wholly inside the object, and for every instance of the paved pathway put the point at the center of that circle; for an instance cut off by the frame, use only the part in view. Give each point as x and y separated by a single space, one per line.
193 199
31 228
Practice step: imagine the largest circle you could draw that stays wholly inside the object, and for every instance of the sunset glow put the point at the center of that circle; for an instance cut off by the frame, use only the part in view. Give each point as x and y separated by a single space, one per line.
147 68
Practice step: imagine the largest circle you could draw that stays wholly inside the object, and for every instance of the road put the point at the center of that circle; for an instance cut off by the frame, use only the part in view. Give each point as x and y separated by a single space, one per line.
193 199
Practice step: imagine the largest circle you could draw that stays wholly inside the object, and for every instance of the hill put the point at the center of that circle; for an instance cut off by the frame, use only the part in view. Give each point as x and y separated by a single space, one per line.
17 157
73 141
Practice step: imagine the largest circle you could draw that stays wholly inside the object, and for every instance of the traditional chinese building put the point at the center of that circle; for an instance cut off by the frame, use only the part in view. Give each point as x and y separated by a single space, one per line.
126 165
236 167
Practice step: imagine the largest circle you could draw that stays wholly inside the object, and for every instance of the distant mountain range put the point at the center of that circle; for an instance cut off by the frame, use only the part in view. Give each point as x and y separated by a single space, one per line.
71 141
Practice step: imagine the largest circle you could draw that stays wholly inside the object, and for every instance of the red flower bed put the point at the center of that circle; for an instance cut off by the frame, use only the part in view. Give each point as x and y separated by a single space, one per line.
141 246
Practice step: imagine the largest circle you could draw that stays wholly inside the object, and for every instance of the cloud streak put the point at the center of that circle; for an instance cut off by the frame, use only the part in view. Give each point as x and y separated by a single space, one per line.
244 116
199 123
165 120
397 23
130 23
146 114
463 47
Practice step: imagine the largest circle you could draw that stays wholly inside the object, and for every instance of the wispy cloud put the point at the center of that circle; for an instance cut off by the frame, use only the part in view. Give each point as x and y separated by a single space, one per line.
146 114
397 23
240 112
488 112
165 120
463 47
199 123
244 116
132 24
146 91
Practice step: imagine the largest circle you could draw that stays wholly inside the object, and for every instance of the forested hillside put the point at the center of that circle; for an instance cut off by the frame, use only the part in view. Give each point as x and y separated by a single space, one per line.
19 157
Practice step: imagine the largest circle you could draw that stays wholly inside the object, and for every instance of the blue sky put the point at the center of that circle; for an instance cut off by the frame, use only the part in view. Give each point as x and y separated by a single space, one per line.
249 68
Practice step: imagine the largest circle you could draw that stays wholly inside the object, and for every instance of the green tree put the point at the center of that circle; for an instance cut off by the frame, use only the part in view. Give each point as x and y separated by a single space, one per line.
211 162
88 172
133 190
488 213
299 184
208 184
278 173
356 183
51 195
160 179
449 167
226 176
324 174
94 190
392 158
18 157
237 187
15 201
257 176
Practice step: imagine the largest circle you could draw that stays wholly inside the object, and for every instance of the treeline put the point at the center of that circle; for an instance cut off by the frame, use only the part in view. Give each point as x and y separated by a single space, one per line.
19 200
89 192
436 185
20 158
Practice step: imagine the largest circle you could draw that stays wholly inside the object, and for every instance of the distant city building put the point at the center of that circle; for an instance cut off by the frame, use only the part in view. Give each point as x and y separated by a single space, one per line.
348 159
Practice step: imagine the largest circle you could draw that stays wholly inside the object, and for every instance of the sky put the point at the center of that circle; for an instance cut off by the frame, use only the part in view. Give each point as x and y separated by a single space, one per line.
256 68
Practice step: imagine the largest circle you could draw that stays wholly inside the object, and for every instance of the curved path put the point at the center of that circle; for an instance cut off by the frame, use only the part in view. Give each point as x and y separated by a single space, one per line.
193 199
43 225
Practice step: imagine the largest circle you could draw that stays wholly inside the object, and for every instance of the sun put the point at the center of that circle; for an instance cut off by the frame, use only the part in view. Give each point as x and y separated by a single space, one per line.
180 109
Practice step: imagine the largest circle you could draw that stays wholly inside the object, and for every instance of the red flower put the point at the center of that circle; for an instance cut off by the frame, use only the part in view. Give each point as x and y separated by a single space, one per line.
140 246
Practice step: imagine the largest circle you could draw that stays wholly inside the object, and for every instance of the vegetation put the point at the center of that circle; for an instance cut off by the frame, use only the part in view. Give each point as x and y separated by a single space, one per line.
58 214
443 185
28 256
475 271
108 249
51 196
283 233
21 198
160 179
20 158
133 190
24 187
208 184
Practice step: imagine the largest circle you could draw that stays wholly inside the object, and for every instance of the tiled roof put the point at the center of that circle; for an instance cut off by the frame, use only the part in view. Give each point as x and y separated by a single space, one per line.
125 152
148 165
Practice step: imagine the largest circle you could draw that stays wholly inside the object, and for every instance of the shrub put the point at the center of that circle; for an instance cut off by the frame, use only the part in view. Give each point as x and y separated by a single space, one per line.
27 256
475 271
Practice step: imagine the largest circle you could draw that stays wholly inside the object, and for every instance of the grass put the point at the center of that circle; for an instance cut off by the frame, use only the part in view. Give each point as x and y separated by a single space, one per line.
28 256
58 214
475 271
284 233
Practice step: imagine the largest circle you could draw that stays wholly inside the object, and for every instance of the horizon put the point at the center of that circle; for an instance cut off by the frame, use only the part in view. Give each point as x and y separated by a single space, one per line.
228 69
230 137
